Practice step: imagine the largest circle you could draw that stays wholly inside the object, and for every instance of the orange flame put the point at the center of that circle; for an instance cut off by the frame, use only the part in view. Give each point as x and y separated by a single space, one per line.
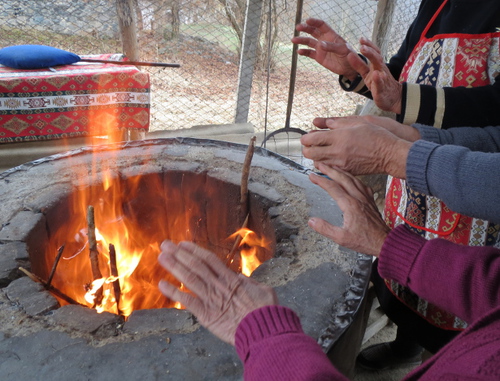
249 244
135 215
177 304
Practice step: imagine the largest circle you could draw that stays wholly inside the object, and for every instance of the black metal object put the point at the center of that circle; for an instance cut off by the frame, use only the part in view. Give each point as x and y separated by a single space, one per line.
291 89
131 63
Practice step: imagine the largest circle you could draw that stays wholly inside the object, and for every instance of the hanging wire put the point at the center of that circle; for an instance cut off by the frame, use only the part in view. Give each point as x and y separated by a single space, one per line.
268 76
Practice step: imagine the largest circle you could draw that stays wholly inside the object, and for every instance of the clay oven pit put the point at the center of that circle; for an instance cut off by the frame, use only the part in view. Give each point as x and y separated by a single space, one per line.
143 192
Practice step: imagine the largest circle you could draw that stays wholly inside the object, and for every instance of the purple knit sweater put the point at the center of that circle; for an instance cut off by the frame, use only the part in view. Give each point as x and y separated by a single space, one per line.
272 345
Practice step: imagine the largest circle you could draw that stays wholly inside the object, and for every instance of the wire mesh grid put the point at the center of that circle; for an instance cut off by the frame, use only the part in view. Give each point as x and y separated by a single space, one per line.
205 38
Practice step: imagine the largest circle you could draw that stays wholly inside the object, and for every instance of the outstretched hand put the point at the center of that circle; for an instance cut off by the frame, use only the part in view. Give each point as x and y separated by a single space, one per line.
402 131
217 296
386 91
357 146
326 47
364 230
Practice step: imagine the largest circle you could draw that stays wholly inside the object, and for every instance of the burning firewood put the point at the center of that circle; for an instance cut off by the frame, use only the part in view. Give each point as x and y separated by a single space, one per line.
93 253
243 196
245 175
237 243
114 273
54 266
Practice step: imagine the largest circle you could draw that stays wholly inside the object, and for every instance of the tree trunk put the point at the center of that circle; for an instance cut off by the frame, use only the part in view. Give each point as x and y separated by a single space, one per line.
269 29
159 17
128 28
176 21
138 15
236 16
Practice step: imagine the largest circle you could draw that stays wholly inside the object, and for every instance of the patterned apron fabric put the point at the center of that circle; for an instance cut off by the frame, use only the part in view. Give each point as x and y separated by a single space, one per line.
442 61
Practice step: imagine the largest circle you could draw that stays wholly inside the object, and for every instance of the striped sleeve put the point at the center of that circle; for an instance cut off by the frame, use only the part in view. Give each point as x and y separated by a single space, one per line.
422 104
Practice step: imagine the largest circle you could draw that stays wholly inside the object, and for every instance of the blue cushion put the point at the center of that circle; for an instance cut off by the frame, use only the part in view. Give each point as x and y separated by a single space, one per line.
35 57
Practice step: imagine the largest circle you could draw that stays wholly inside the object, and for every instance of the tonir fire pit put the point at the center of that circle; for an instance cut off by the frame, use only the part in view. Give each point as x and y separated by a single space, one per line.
55 325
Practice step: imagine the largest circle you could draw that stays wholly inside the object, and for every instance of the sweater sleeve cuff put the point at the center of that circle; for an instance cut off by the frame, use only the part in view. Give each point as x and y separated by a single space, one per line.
358 85
399 251
416 165
410 104
423 104
262 323
428 133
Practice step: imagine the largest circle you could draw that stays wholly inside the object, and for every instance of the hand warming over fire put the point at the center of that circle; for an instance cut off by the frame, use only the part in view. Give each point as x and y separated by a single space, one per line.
358 146
217 296
326 47
363 230
387 92
402 131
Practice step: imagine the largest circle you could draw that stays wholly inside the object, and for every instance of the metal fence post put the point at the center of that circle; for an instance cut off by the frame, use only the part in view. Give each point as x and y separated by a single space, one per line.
382 24
247 59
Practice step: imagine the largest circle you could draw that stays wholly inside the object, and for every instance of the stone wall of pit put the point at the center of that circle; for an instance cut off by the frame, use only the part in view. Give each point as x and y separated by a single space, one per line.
324 283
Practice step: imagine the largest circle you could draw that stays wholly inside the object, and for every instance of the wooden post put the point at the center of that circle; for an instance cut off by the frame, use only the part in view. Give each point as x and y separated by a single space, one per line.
137 134
128 28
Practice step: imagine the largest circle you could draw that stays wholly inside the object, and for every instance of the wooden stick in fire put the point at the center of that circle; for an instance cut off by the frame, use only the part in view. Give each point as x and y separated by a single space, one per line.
94 254
54 266
245 175
243 196
114 272
236 244
36 278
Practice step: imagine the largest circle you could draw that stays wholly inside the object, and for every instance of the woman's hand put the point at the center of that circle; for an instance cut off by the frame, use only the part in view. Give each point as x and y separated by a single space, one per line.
357 146
217 296
331 51
364 230
387 92
402 131
326 47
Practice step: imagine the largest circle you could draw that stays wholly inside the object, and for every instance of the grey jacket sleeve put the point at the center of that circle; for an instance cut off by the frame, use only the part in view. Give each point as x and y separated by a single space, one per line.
467 181
485 139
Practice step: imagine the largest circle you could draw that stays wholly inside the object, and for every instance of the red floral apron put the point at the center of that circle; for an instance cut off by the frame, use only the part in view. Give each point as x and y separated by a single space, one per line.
445 60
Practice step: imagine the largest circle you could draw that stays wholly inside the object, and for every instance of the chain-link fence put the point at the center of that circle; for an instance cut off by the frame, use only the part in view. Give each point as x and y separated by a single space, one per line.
205 37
